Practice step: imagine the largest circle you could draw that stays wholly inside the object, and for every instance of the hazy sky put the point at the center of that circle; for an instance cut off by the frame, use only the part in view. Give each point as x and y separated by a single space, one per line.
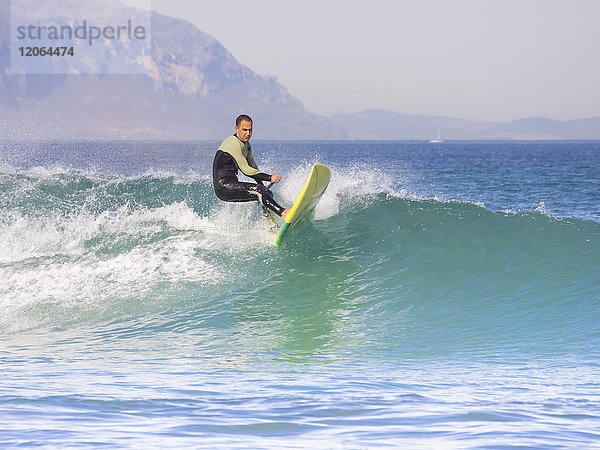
475 59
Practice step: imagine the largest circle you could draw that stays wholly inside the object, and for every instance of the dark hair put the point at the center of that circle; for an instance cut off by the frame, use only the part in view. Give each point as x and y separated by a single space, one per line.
241 118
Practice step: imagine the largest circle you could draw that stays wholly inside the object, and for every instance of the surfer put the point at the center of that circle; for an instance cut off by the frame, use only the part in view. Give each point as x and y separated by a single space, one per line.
235 153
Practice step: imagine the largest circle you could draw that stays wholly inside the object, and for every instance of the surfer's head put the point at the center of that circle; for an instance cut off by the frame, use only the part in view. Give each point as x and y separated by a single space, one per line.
243 127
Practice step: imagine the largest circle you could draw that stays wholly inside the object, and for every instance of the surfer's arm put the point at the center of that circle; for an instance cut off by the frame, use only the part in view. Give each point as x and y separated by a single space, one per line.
252 163
251 172
261 176
243 159
248 167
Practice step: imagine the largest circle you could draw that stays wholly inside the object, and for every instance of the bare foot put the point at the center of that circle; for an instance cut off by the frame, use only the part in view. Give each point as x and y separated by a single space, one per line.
285 213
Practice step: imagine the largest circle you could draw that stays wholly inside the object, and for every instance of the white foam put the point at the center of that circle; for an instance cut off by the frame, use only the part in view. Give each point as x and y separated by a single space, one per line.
178 178
49 260
355 181
88 283
7 169
85 261
541 208
43 173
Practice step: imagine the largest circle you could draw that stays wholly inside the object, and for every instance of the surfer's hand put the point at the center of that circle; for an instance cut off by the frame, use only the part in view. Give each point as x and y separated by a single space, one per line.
275 178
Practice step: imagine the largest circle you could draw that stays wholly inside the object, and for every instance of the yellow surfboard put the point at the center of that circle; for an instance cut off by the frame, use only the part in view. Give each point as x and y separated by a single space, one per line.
305 204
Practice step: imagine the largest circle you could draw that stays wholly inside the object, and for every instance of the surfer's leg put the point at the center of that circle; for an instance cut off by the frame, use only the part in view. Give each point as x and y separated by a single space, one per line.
248 192
235 192
265 198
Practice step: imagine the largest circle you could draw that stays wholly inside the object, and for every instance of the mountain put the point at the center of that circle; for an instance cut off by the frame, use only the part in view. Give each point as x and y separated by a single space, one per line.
189 87
379 124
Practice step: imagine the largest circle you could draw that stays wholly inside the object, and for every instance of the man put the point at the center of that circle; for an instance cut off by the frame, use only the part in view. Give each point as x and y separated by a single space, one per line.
235 153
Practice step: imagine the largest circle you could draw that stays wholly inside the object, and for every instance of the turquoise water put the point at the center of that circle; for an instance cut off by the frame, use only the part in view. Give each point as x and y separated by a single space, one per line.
445 296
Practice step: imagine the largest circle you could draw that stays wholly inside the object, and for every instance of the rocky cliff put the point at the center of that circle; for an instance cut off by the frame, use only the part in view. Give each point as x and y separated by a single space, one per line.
189 87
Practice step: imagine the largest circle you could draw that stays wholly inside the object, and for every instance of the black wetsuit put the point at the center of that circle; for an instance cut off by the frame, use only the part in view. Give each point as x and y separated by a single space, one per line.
228 188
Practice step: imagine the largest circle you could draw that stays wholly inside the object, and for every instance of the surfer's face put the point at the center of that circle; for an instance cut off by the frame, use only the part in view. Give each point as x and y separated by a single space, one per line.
244 131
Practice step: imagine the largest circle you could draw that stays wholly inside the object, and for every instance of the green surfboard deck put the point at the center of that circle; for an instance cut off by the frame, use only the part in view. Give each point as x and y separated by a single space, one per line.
305 204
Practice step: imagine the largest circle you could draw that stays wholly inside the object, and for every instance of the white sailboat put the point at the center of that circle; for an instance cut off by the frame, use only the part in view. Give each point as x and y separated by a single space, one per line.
438 139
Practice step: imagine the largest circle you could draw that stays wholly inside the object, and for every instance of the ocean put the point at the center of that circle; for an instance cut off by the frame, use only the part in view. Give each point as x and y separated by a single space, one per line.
444 296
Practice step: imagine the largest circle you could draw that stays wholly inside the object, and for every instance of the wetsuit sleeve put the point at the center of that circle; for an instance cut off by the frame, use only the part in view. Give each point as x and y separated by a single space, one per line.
249 168
260 176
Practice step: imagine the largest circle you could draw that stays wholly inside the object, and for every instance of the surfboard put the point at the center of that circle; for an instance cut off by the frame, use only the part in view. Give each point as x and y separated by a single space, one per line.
303 208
